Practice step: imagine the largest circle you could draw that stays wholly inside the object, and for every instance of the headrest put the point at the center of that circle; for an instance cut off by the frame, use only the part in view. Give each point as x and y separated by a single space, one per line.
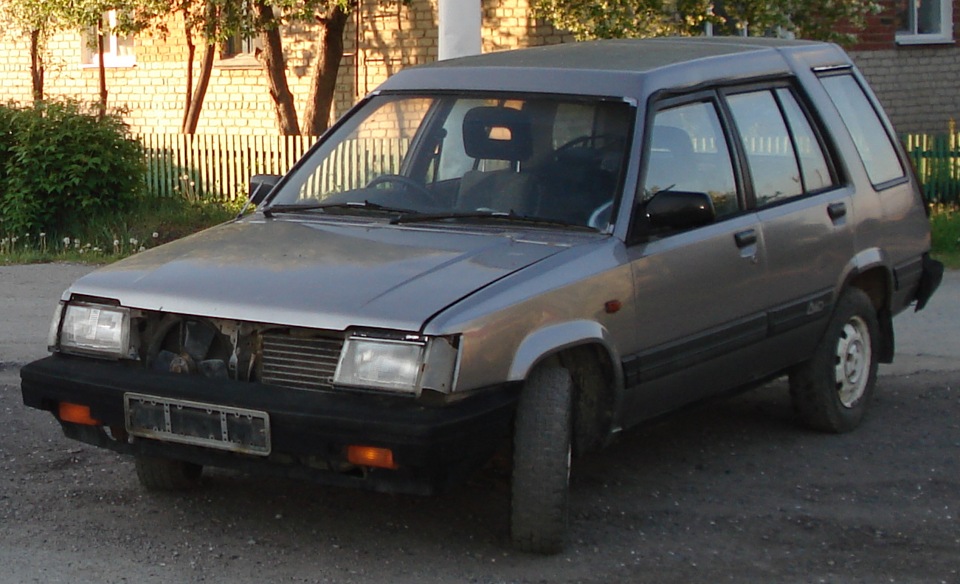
673 139
497 133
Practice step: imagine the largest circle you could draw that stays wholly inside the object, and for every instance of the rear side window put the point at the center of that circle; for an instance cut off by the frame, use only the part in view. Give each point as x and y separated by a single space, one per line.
768 146
785 157
873 143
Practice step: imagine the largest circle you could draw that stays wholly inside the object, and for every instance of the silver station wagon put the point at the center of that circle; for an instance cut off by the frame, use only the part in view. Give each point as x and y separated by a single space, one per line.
527 251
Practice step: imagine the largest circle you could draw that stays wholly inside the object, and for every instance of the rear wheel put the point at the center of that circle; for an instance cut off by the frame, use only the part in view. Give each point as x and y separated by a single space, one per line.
541 461
831 390
163 474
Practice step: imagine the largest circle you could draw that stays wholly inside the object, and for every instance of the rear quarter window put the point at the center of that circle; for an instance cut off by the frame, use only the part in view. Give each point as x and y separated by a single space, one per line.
872 141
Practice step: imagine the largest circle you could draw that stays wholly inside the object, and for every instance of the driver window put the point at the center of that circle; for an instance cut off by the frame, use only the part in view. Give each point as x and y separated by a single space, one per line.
688 152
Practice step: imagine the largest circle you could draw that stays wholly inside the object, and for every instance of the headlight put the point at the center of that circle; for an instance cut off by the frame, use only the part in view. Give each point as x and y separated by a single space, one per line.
397 365
380 363
95 330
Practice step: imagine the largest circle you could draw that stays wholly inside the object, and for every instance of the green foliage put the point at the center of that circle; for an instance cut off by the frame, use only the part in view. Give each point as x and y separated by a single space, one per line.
812 19
945 234
147 223
63 167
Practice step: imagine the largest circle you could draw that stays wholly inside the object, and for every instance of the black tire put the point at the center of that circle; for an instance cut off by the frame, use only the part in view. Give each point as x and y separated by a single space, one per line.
541 462
162 474
831 391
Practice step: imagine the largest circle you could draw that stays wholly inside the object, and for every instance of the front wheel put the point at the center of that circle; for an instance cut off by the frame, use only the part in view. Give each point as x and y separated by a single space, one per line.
541 461
832 389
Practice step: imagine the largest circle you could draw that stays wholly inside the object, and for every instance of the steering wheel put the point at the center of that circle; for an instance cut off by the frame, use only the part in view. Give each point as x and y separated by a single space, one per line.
579 141
409 183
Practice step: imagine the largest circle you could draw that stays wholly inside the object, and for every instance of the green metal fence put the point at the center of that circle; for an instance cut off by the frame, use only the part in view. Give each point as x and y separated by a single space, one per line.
937 160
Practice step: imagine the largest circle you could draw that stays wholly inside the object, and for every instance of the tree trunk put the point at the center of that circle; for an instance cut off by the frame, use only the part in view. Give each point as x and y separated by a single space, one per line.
102 70
36 66
323 82
276 71
188 94
200 92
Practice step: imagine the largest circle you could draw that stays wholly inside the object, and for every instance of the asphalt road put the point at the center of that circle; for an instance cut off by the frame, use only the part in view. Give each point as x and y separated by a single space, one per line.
731 491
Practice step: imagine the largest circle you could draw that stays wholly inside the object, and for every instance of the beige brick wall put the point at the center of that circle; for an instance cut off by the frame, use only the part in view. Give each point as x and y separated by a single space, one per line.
919 87
383 38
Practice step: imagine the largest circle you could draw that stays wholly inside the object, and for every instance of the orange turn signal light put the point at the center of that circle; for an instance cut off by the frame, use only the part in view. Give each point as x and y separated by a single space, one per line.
77 414
370 456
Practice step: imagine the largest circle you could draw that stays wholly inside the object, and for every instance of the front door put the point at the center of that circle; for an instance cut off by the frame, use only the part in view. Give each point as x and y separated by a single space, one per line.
697 292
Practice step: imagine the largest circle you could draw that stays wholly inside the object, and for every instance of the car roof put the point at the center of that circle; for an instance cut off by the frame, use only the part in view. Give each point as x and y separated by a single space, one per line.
619 68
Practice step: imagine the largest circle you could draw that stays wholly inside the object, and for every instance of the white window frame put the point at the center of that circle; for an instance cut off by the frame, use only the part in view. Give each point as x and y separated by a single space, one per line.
945 34
246 56
118 50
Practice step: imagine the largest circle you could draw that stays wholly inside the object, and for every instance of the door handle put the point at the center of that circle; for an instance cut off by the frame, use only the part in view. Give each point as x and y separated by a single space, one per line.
745 238
837 210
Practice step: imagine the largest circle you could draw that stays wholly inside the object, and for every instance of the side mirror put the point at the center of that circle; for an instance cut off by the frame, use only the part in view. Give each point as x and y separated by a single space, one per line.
680 210
260 186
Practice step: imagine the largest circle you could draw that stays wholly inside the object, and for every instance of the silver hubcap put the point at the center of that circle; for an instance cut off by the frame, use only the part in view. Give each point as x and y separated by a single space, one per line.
852 368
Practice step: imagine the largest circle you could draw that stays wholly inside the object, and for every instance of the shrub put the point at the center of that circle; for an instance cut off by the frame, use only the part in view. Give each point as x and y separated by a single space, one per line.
62 167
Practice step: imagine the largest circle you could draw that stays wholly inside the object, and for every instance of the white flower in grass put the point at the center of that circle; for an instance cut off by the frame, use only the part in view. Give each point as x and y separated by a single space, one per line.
155 235
66 241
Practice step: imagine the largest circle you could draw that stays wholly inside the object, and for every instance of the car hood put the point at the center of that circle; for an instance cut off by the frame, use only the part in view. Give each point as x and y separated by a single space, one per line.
321 274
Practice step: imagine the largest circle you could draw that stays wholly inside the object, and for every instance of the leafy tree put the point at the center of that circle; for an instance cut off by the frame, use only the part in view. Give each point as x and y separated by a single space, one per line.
330 17
89 14
209 22
815 19
36 19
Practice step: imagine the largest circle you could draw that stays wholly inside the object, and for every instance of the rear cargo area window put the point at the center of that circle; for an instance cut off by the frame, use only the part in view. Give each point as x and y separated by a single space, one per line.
873 143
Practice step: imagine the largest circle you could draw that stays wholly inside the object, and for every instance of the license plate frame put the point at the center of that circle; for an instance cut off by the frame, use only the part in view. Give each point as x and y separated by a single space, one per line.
214 426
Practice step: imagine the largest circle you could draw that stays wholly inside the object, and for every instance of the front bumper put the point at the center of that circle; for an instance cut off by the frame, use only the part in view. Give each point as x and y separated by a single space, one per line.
433 446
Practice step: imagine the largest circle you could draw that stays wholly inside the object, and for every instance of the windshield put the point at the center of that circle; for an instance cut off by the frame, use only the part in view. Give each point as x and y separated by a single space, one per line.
450 156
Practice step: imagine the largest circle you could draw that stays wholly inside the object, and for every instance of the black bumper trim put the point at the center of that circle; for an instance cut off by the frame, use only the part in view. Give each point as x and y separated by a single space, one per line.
427 441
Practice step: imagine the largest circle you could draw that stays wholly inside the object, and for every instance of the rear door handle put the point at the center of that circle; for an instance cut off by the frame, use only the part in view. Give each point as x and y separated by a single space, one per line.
837 210
745 238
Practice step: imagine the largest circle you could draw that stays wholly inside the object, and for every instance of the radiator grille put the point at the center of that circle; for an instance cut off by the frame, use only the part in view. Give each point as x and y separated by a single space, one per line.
300 363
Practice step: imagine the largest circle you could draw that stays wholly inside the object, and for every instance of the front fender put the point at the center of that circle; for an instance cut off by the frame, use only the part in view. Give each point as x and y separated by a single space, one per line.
554 338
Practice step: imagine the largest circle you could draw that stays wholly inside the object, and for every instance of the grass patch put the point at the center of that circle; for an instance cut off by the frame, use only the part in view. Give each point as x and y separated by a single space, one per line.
150 223
945 235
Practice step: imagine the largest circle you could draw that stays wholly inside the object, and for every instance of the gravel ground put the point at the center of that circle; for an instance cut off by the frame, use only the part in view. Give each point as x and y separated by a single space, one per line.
730 491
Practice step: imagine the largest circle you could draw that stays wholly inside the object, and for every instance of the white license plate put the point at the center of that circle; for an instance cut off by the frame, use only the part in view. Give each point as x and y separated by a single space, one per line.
199 424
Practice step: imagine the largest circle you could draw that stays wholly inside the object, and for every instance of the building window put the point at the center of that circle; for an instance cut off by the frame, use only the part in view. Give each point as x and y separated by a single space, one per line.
117 48
240 51
924 21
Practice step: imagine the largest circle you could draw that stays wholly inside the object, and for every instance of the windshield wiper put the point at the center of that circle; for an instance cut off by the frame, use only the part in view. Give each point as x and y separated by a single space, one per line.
487 215
349 206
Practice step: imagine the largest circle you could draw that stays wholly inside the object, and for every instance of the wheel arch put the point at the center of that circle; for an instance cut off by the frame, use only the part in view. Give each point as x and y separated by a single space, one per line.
585 349
875 277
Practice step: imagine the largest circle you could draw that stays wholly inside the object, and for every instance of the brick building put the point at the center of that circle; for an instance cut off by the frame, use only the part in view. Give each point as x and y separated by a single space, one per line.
908 53
146 76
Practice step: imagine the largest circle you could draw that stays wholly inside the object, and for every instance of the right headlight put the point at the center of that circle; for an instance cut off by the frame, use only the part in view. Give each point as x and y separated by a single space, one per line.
405 366
95 329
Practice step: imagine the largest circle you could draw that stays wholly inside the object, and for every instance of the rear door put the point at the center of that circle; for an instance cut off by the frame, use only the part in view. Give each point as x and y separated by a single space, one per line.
805 213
